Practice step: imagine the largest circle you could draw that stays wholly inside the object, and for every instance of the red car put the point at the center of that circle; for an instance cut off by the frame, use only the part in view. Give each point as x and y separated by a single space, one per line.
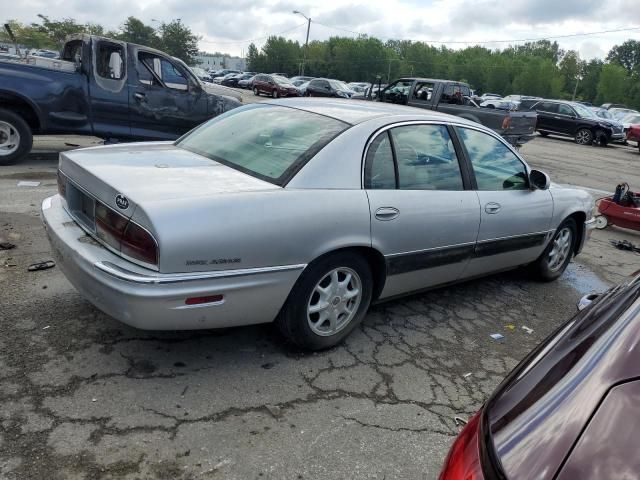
633 134
274 86
570 409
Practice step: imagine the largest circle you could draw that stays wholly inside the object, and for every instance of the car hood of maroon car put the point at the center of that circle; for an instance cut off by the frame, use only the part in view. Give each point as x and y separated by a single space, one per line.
539 411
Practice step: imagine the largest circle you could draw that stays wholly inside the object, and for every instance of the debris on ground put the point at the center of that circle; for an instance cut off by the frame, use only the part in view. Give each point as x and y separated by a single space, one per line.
26 183
6 246
48 326
497 336
41 265
510 326
459 421
625 245
467 375
527 329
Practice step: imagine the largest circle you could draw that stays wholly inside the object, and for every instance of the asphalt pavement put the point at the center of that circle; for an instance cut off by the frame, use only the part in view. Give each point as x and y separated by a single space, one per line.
85 397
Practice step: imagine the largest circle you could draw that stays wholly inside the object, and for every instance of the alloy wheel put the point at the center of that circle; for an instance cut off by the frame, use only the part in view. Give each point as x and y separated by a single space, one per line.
561 249
583 137
334 301
9 139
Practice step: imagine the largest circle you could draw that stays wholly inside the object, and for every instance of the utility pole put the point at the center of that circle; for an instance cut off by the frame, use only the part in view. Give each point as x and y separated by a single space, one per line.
575 90
306 43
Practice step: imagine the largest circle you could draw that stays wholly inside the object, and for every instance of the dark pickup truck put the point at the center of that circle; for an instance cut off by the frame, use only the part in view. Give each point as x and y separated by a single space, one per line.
454 98
101 87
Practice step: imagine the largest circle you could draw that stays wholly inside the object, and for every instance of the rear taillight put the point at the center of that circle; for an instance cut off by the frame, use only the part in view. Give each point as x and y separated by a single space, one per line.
123 235
139 244
62 185
463 461
109 225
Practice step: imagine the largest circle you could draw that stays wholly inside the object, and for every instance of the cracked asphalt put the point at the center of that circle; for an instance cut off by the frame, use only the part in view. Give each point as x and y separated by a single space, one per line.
85 397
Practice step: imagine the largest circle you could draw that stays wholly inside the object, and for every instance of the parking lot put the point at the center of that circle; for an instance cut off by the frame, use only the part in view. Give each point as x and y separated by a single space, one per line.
85 397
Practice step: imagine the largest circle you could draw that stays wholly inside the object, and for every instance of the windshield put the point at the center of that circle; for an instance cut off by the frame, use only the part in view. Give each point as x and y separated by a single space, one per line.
265 141
281 80
338 85
583 111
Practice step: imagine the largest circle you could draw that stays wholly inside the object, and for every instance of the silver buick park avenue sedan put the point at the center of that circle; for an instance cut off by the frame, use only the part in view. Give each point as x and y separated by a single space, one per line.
303 212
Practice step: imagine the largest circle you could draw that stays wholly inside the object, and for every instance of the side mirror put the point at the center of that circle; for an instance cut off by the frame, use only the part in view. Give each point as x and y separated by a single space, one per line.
539 180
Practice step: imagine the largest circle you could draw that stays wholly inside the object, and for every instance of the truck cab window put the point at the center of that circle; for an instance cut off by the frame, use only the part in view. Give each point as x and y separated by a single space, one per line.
110 61
452 94
150 64
423 91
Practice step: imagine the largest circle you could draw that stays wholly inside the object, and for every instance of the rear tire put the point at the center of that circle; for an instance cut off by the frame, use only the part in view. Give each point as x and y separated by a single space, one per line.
584 137
16 138
322 309
275 94
557 255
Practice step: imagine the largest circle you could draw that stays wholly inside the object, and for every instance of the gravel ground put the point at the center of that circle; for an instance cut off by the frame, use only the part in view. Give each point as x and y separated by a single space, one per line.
85 397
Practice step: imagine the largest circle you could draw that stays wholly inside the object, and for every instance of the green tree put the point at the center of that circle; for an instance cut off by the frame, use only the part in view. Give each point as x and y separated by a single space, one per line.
570 69
613 84
626 55
281 55
254 60
134 31
178 40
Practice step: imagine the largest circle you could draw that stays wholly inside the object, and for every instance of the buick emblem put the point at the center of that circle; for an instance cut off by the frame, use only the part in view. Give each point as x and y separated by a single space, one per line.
122 202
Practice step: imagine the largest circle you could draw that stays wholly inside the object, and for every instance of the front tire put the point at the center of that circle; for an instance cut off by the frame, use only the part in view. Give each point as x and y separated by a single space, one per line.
328 301
584 137
16 138
275 94
256 92
555 258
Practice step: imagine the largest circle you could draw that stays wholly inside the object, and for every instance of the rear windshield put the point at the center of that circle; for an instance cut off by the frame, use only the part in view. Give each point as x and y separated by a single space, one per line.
266 141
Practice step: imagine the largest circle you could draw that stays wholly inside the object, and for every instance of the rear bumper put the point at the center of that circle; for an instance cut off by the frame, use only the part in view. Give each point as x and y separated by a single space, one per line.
151 301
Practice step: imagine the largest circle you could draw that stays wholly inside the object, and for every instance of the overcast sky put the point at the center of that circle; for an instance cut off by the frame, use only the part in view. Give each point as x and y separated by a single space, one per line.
230 25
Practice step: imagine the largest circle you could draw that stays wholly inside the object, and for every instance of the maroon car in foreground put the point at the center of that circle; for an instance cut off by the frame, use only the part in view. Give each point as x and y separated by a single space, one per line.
570 410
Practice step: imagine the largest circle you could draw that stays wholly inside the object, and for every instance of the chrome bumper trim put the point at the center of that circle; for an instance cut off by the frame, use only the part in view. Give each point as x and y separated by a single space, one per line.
133 277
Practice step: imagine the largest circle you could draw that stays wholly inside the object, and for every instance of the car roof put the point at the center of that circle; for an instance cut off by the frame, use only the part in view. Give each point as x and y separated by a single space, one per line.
359 111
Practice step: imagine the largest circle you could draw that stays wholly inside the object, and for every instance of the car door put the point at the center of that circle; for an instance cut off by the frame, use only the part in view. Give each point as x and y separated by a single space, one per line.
565 120
515 220
165 100
546 111
424 215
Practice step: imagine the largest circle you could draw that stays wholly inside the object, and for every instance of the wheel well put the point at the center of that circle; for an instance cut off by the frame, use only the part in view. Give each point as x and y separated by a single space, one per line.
579 218
376 261
22 108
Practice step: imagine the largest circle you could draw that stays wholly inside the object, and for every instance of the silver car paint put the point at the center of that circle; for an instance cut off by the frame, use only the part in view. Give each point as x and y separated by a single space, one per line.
202 211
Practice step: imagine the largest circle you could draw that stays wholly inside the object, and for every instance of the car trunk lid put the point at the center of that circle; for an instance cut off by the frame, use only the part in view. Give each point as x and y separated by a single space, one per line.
124 176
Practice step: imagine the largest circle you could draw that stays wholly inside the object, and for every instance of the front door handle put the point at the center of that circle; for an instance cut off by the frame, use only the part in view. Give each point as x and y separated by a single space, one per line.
141 97
492 207
387 213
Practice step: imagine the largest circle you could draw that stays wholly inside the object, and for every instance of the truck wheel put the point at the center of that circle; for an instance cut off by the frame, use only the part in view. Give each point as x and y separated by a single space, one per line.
584 137
16 138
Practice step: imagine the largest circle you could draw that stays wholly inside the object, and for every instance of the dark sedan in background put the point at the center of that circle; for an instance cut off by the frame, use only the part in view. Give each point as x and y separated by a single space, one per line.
570 410
327 87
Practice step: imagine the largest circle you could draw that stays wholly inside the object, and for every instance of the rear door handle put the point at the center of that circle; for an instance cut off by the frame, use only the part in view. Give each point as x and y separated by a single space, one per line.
139 96
492 207
387 213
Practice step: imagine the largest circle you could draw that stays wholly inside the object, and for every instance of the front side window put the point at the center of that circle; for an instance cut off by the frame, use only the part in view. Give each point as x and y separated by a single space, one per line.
265 141
171 76
426 158
495 166
565 110
423 91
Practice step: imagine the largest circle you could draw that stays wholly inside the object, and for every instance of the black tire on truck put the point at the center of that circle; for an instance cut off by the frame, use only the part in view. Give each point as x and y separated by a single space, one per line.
16 138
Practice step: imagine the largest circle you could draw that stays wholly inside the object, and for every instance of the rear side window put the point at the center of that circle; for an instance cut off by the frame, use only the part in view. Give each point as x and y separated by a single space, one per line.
547 107
379 166
110 61
494 165
265 141
422 155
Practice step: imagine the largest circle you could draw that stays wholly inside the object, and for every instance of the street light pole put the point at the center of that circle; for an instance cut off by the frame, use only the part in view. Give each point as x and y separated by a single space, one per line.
306 43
